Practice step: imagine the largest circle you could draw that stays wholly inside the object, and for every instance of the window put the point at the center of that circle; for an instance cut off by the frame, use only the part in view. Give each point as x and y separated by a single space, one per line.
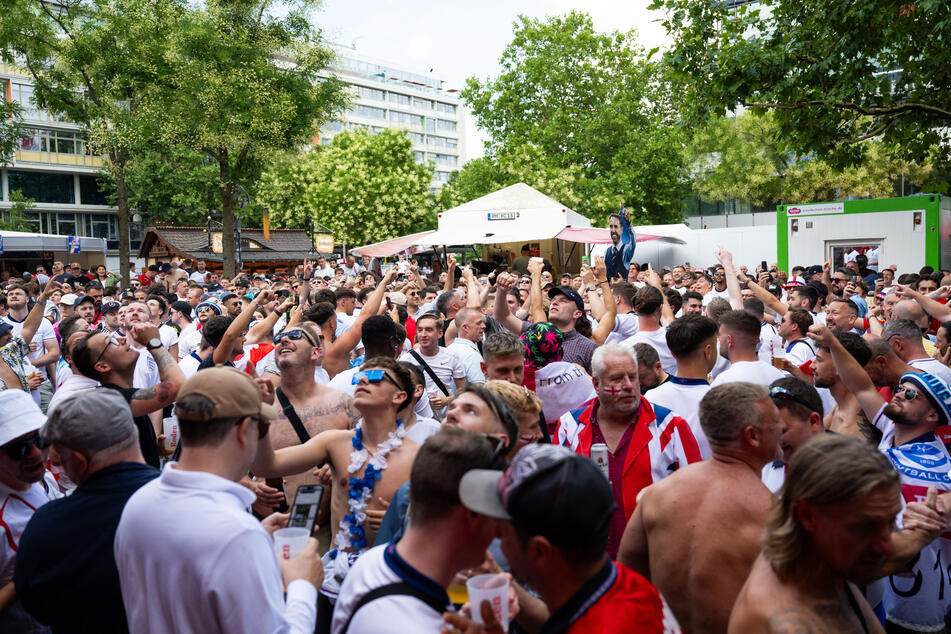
397 98
370 111
89 192
448 108
406 118
43 187
447 126
333 126
66 225
446 159
370 93
416 138
442 177
441 141
424 104
430 124
420 157
103 226
55 141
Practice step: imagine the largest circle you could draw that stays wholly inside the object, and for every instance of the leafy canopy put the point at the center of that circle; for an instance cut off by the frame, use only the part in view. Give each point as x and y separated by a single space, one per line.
365 187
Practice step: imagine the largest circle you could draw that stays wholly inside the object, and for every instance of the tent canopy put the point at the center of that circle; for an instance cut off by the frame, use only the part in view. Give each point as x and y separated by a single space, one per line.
386 248
517 213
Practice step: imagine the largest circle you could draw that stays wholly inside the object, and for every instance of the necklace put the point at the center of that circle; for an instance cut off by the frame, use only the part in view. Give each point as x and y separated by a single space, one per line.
350 539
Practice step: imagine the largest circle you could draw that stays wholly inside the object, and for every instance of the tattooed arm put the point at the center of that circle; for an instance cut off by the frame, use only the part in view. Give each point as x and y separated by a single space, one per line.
154 398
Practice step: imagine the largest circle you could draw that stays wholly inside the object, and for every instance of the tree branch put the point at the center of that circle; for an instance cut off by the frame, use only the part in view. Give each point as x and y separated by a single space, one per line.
899 109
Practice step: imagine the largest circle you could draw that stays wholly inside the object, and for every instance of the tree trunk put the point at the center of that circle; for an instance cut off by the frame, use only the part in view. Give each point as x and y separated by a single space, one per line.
122 200
227 229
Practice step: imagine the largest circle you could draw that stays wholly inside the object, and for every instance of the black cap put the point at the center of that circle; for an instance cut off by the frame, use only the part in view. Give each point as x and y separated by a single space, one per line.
813 270
569 293
260 277
226 297
127 295
153 268
107 306
547 490
182 307
83 298
165 267
242 281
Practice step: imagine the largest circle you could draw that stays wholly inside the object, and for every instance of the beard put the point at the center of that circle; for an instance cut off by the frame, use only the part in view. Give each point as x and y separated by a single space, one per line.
894 412
823 382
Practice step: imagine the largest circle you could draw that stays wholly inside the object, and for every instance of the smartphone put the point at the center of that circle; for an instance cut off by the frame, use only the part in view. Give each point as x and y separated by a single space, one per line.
306 502
586 260
762 267
389 304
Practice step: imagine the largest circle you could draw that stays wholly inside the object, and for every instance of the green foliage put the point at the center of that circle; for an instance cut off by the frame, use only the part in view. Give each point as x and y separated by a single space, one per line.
10 126
741 159
14 217
834 73
364 187
590 111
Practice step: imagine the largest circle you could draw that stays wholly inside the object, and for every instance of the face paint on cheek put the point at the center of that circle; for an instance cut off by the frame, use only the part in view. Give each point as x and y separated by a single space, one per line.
613 391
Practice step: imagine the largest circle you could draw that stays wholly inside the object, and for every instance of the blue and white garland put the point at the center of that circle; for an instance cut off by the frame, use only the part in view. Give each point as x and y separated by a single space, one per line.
351 535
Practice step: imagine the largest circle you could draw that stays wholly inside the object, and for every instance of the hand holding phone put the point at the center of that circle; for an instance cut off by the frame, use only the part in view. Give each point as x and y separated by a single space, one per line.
306 503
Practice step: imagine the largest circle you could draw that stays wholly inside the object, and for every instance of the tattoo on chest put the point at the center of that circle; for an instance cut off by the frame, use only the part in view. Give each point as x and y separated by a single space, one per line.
342 408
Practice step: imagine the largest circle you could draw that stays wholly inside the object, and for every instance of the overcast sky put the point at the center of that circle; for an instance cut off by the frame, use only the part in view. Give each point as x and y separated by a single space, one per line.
459 39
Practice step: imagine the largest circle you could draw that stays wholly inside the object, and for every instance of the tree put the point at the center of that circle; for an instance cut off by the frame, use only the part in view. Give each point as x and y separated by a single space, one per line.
14 216
365 187
10 126
591 103
744 158
89 60
242 84
833 73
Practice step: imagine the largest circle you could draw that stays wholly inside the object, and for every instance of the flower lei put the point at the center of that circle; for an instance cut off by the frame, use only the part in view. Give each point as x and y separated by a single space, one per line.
351 533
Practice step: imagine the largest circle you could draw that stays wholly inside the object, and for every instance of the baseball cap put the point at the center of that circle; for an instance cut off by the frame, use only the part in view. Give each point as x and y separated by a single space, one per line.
260 278
546 490
226 296
19 415
182 307
165 267
83 299
793 282
125 295
569 293
100 404
107 306
398 298
233 392
69 299
212 305
242 281
5 327
813 270
935 390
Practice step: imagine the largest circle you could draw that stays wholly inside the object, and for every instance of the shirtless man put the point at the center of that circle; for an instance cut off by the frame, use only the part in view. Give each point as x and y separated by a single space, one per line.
669 538
846 417
378 398
297 353
841 498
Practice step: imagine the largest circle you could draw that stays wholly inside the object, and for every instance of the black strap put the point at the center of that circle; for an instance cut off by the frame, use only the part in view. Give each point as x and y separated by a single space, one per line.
395 588
429 371
292 416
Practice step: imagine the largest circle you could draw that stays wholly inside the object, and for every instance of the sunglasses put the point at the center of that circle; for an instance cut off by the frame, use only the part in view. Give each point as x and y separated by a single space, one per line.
113 340
373 376
782 394
499 445
909 393
293 335
19 449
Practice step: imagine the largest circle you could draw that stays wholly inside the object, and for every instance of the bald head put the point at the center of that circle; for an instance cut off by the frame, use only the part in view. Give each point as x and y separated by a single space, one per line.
911 310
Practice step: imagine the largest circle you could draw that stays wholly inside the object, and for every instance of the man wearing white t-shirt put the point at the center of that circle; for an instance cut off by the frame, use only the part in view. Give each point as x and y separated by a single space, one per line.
47 347
648 304
692 340
625 322
24 486
198 275
442 363
793 328
904 336
441 538
738 336
800 409
470 324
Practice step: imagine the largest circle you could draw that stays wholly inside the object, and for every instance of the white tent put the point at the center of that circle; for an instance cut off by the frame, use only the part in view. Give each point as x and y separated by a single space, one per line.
517 213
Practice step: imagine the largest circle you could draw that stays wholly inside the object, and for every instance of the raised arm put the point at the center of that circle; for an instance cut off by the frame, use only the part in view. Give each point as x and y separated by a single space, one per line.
609 318
535 291
294 459
769 300
473 289
263 329
450 274
941 312
595 302
337 352
35 318
171 379
222 352
502 314
852 374
725 258
666 312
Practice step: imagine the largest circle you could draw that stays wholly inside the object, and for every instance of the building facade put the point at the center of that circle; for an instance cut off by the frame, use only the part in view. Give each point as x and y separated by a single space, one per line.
387 96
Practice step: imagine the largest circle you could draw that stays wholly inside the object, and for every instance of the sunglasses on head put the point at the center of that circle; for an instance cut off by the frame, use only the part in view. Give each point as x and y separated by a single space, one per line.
19 449
909 393
373 376
293 335
782 394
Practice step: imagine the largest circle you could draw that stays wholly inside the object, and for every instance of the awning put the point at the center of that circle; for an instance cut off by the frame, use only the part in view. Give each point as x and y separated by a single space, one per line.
386 248
19 241
596 235
474 236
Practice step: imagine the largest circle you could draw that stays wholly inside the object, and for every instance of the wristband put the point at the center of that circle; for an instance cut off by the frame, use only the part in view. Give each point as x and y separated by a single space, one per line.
277 311
602 282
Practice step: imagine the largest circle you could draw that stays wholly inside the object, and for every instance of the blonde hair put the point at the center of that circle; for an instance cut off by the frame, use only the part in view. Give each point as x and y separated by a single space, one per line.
519 398
829 469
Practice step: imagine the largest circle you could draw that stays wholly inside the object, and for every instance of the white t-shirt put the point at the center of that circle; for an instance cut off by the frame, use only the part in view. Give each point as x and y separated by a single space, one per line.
198 277
562 387
769 340
624 326
657 339
16 509
725 294
749 372
168 335
933 366
394 614
470 358
189 365
800 351
189 341
146 372
423 429
774 475
445 365
682 397
44 333
72 383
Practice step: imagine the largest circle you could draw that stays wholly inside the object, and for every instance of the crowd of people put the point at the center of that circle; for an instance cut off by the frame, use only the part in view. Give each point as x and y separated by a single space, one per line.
699 450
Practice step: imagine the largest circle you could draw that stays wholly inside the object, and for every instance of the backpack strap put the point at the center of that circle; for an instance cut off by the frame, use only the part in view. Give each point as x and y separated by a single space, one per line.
442 387
394 589
292 416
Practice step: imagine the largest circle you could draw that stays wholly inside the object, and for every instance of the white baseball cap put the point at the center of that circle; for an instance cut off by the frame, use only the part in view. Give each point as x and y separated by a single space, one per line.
19 415
69 298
